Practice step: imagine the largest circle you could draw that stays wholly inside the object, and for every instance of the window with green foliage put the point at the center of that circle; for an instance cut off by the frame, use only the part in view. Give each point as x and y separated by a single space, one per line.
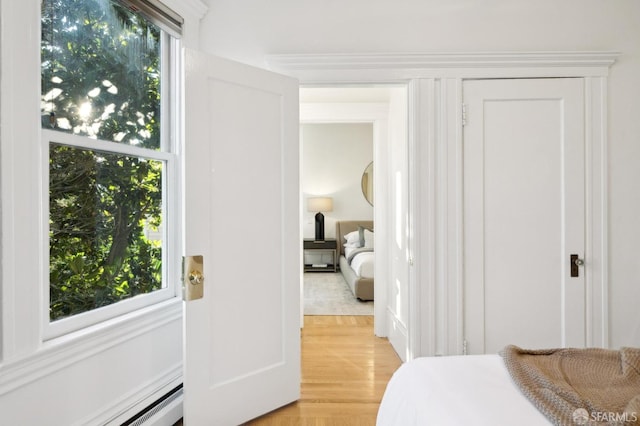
105 81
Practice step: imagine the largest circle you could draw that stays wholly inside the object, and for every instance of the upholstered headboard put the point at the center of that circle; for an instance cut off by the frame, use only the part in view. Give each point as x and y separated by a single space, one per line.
343 227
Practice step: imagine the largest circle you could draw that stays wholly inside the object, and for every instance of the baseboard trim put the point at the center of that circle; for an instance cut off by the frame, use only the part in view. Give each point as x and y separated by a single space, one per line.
397 335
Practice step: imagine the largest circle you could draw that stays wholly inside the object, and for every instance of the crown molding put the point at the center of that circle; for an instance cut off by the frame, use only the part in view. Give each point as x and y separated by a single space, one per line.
416 65
442 60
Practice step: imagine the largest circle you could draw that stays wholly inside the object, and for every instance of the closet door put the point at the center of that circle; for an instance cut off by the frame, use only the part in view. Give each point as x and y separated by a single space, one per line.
524 213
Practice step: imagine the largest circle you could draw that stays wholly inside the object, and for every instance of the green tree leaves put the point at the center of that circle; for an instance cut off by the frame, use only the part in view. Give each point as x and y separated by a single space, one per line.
91 45
101 79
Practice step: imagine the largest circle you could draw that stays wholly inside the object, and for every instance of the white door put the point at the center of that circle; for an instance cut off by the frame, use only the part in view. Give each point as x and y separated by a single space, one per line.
242 339
524 213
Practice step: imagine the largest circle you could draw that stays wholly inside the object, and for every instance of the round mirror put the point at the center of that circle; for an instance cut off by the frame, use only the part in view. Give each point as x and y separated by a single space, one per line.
367 183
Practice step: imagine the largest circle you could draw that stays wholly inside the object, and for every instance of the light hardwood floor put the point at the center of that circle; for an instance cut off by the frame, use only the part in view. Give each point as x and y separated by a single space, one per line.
345 370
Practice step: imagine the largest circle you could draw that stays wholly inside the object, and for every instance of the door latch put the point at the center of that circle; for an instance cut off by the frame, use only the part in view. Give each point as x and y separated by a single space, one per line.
575 263
192 278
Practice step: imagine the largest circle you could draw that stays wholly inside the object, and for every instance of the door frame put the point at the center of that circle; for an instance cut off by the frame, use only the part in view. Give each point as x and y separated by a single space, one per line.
435 170
596 218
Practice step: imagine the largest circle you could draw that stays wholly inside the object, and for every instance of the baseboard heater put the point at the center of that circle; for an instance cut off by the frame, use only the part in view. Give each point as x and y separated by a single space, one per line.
166 411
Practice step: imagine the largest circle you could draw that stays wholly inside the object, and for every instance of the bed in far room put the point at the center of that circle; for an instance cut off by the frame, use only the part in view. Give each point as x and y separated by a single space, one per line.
356 257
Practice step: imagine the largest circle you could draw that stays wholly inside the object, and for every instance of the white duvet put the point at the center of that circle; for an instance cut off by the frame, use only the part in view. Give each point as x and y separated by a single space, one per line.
362 264
456 390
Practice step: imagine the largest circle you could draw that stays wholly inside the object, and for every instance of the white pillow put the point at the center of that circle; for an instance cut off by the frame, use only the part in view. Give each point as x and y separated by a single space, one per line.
368 238
352 238
349 250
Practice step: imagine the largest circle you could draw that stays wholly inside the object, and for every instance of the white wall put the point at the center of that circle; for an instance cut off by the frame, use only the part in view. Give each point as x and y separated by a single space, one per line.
251 29
333 158
247 30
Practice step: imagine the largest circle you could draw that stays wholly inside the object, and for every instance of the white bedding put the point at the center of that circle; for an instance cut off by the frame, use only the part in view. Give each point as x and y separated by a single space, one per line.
456 390
362 264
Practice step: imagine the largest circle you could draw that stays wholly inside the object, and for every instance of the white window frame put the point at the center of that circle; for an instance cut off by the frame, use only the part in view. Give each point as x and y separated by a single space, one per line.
170 156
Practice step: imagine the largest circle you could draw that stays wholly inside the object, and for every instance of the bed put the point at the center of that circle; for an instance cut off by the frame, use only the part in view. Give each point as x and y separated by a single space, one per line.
455 390
356 263
523 387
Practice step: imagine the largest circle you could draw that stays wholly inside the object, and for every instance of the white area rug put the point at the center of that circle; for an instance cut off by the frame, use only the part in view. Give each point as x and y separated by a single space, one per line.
327 293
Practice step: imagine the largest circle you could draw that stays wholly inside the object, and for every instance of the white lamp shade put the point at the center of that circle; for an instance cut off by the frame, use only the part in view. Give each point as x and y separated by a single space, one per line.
320 204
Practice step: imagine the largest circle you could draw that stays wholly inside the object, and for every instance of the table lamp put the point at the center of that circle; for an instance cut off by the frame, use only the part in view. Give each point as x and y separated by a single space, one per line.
319 205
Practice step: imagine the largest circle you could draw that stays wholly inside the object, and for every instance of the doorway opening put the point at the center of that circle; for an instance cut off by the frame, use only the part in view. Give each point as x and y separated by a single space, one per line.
345 131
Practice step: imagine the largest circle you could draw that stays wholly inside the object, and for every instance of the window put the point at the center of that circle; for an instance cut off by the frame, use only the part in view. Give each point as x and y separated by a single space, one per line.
107 127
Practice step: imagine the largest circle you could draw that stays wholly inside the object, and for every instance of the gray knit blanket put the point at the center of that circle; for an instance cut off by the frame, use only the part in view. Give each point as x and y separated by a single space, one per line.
579 386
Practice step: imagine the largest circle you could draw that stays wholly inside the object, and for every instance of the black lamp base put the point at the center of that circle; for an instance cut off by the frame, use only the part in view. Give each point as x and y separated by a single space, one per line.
319 227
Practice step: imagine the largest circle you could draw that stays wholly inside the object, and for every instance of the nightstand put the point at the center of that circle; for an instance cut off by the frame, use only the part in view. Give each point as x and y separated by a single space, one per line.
329 246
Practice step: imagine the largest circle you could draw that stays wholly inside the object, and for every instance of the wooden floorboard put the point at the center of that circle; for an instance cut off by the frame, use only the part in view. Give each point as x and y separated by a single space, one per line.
345 370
